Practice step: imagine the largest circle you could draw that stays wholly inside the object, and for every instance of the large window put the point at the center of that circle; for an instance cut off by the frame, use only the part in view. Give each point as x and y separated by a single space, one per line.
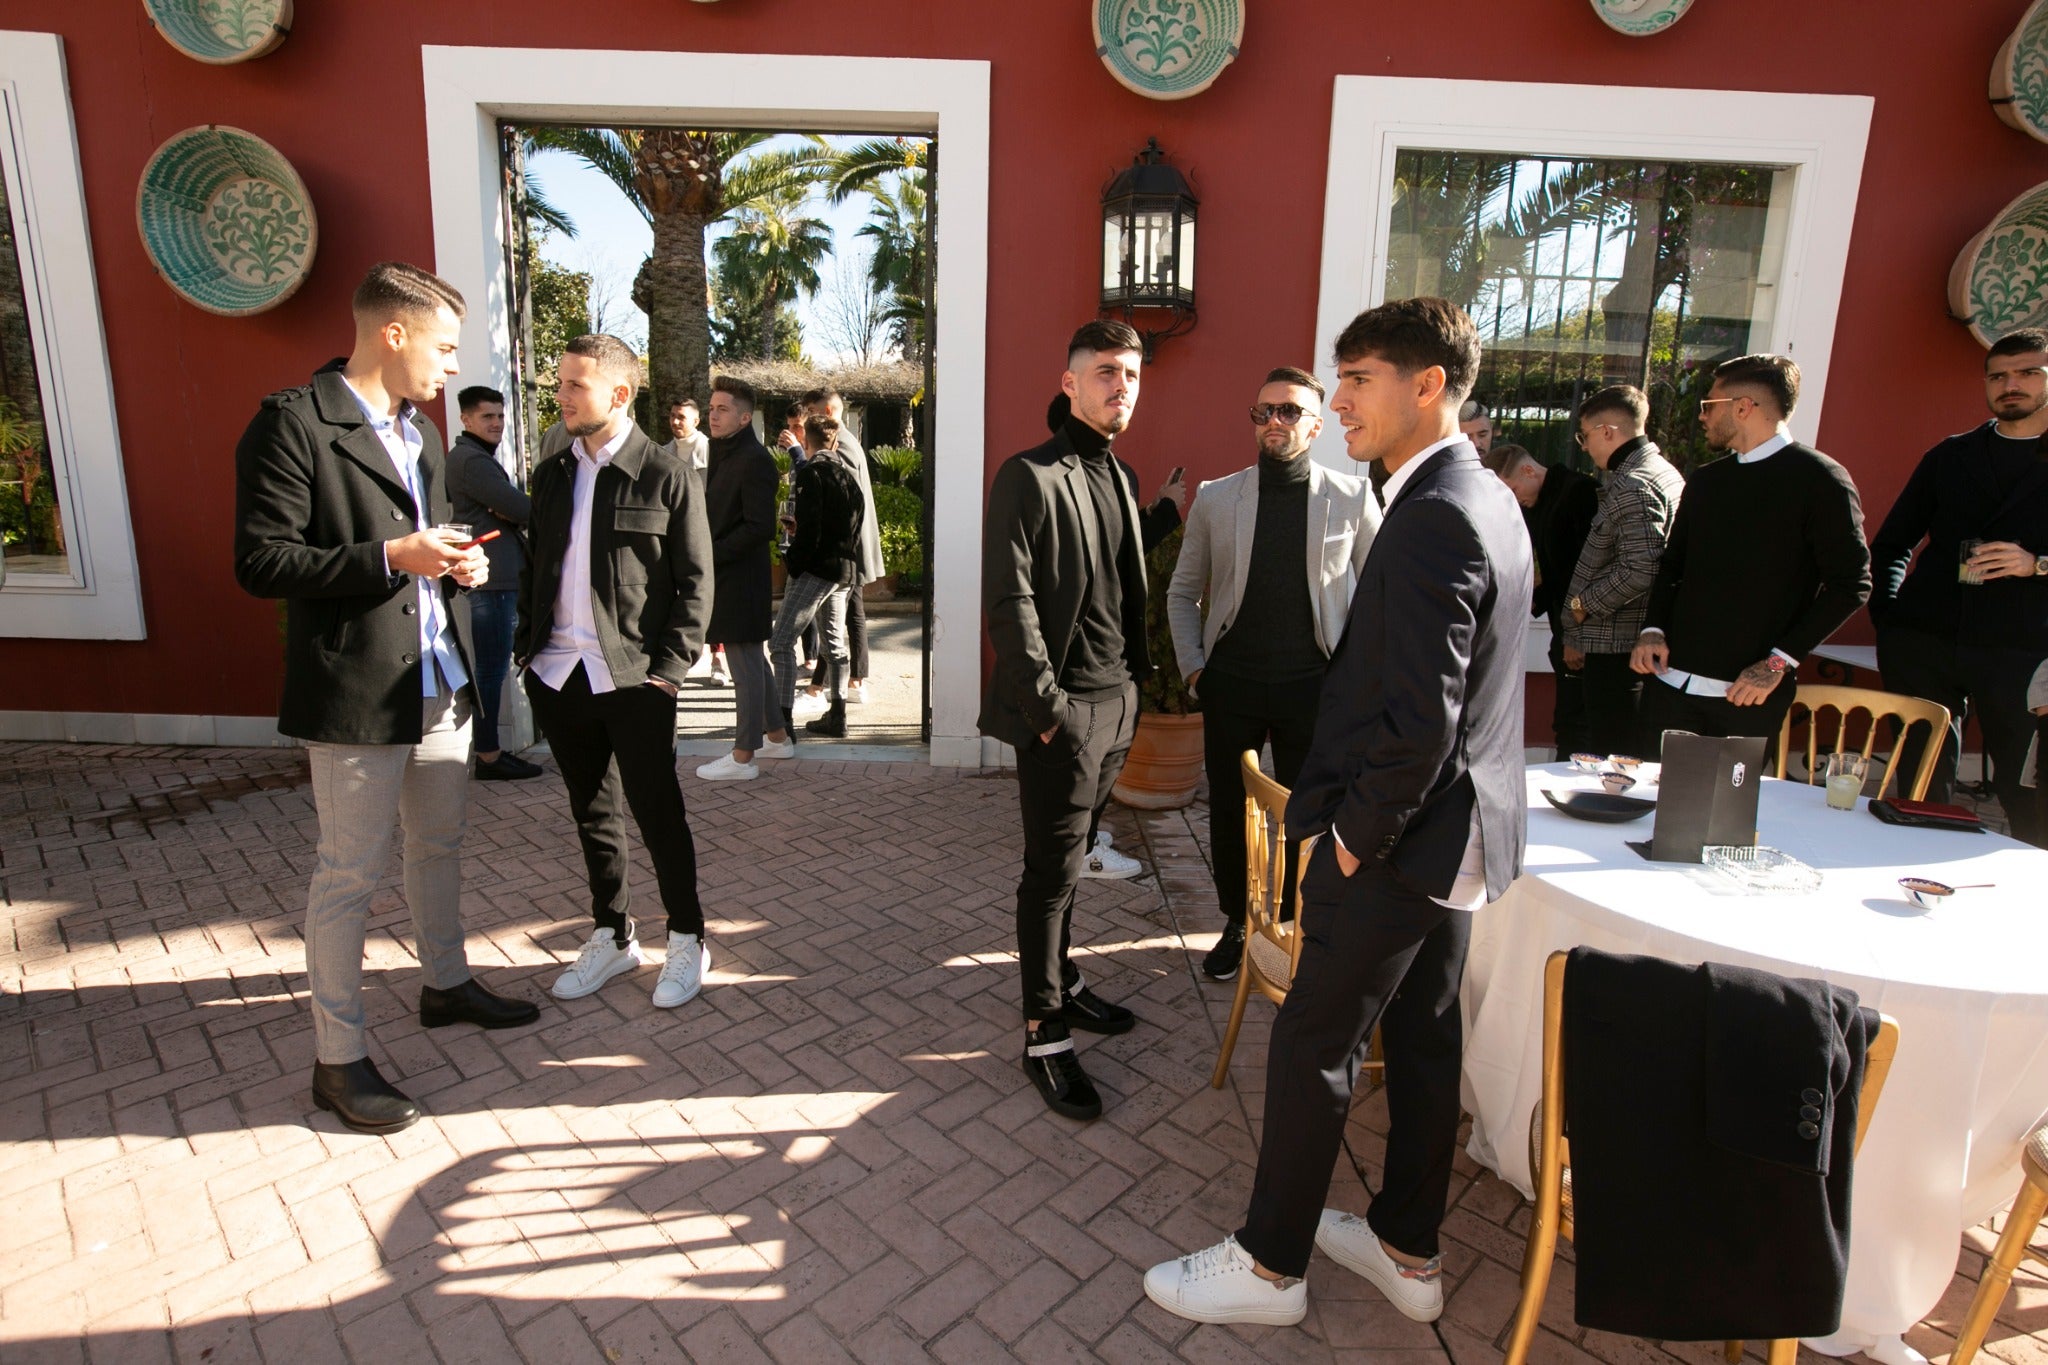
31 507
1582 273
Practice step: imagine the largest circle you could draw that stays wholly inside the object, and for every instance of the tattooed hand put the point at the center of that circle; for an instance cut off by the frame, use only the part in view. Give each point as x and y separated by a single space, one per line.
1754 683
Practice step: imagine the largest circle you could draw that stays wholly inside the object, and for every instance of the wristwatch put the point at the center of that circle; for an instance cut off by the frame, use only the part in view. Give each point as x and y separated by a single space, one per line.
2041 566
1577 604
1775 664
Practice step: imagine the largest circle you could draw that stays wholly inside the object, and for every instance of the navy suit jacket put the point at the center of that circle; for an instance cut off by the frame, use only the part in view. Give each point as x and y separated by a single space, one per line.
1421 713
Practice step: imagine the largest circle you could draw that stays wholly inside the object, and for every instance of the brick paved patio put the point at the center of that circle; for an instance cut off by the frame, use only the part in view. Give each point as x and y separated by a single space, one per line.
831 1155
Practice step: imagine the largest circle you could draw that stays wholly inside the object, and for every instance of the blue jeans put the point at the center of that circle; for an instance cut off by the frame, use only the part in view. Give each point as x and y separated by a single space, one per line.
492 614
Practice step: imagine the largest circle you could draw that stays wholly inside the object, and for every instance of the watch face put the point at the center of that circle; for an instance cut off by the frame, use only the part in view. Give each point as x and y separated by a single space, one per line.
2041 565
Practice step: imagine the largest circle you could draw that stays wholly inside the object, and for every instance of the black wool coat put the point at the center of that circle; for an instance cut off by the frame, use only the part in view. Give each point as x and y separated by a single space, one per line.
739 501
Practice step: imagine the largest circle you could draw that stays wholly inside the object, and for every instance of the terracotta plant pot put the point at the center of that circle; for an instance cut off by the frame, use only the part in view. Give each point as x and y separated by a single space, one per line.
1165 763
882 589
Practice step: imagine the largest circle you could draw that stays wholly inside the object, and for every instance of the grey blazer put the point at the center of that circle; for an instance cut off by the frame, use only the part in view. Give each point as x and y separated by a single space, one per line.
1343 517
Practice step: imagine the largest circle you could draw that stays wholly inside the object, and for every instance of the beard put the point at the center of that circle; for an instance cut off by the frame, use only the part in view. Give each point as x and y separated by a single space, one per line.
2017 407
588 427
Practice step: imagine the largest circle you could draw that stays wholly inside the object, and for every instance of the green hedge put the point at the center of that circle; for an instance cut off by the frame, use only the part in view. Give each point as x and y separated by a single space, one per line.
901 514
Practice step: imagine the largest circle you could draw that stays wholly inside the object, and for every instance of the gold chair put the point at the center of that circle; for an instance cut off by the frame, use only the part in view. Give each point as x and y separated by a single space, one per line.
1901 710
2013 1244
1551 1164
1272 944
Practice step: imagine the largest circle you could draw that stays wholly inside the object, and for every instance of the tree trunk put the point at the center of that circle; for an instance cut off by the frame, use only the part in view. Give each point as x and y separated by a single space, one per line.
679 320
769 311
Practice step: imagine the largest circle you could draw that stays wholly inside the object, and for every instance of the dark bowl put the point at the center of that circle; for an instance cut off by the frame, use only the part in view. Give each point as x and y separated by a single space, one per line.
1601 806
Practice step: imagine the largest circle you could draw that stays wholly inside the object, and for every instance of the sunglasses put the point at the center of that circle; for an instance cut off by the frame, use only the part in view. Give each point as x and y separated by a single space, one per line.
1286 414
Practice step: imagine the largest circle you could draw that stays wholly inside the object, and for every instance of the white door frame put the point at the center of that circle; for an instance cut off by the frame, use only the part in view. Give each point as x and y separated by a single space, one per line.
470 89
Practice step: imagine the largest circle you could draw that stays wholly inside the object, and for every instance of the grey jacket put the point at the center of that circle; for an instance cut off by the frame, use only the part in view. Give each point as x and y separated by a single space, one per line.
870 524
486 498
1343 517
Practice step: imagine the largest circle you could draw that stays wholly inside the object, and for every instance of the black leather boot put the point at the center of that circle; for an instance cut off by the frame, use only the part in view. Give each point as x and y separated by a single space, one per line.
1055 1068
832 724
470 1003
363 1100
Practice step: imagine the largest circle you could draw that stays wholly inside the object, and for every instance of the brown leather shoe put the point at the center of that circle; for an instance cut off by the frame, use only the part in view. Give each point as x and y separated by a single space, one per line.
361 1098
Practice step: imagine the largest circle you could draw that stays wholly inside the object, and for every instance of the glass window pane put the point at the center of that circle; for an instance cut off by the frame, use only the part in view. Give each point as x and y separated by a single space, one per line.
1114 252
1584 273
1187 258
31 504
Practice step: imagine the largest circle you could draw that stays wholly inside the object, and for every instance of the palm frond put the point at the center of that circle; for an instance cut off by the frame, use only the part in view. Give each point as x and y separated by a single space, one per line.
608 151
865 164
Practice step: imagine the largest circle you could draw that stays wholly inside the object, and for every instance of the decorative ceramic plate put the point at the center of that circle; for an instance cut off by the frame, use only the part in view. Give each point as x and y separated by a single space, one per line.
1168 49
226 220
2000 281
1640 18
1600 806
2019 75
221 31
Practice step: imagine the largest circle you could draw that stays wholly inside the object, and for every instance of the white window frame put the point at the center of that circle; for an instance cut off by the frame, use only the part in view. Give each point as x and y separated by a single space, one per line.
1819 140
469 89
101 597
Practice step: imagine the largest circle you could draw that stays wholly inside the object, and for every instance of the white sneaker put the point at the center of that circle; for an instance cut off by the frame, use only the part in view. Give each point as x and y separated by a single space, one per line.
1219 1284
603 958
682 975
771 749
809 705
721 676
726 768
702 668
1105 862
857 694
1346 1239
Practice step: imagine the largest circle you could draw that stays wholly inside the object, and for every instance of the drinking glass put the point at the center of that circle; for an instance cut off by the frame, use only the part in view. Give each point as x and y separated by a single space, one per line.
1845 779
1964 573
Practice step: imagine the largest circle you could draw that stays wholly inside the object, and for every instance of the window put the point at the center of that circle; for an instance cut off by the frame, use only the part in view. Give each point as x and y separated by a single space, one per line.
69 556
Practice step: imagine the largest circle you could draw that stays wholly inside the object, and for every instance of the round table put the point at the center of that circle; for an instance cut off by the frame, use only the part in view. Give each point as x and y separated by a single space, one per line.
1968 983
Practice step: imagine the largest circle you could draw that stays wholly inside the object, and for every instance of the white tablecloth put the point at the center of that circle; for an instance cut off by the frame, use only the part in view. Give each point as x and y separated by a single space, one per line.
1968 984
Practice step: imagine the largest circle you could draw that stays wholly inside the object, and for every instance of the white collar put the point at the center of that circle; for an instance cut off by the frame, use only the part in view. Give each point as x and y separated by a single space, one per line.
610 449
1765 450
1399 478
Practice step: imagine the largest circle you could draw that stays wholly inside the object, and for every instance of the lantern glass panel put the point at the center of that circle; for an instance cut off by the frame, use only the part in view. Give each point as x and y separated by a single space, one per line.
1114 253
1185 281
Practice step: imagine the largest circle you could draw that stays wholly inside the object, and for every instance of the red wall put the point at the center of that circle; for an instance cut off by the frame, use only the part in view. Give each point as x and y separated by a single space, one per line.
342 100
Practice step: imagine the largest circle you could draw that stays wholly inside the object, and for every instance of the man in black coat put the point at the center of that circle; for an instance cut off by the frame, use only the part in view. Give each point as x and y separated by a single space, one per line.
1558 506
611 617
338 486
1413 791
739 502
823 559
1968 630
1063 588
487 500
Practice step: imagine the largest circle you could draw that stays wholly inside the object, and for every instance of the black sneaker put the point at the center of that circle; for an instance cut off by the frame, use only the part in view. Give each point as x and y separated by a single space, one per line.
506 767
1084 1009
1055 1068
1227 956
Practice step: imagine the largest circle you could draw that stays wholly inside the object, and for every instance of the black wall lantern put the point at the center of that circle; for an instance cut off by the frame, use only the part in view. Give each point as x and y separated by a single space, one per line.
1148 245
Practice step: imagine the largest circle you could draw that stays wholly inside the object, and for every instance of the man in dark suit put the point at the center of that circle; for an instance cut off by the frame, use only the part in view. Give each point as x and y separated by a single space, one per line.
1968 630
611 615
1413 790
487 500
1063 587
1558 505
338 488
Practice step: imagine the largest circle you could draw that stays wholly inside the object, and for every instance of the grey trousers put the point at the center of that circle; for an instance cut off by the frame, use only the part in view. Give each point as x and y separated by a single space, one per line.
358 791
753 691
808 596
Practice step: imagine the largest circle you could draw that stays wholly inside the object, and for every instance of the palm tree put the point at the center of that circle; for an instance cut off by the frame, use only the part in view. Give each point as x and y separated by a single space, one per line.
896 228
682 181
772 254
865 164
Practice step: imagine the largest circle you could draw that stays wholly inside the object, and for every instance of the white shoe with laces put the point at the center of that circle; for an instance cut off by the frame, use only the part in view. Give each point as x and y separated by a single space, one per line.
726 768
857 694
603 958
1417 1292
1220 1284
682 975
776 748
1106 863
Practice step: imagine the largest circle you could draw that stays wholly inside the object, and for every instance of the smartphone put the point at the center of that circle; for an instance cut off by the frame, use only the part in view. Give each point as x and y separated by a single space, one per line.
1178 471
486 536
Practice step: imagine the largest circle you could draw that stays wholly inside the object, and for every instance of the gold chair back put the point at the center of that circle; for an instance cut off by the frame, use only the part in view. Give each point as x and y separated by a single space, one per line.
1846 702
1272 941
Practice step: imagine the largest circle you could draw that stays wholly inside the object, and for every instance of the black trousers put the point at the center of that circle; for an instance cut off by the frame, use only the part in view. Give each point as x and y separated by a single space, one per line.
617 743
1374 952
1232 722
1666 708
1970 680
856 641
1613 693
1061 786
1568 710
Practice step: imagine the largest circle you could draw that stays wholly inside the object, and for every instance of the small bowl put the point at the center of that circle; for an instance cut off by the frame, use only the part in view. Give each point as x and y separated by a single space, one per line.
1590 763
1926 892
1617 783
1622 763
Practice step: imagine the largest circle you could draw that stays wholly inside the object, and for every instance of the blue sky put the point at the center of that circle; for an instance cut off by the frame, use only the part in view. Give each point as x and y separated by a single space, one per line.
612 239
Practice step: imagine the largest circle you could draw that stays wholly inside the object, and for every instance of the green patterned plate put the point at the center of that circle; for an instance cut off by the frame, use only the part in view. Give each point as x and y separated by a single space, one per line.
2000 281
1168 49
221 31
2019 75
226 220
1640 18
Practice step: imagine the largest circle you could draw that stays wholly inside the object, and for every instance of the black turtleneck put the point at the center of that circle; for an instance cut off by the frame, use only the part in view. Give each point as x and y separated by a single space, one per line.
1272 640
1095 666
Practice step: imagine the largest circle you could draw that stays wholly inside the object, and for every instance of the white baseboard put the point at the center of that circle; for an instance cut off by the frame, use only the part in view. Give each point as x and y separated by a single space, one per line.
121 727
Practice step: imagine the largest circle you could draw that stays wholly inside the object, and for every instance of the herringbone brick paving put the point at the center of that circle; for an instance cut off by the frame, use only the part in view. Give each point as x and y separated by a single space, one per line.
831 1155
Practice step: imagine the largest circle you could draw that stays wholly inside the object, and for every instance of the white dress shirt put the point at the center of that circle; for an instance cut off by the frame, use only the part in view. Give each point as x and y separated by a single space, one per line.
573 637
1468 890
403 443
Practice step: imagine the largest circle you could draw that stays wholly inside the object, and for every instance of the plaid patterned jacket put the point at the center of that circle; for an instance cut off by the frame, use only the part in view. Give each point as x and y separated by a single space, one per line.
1637 504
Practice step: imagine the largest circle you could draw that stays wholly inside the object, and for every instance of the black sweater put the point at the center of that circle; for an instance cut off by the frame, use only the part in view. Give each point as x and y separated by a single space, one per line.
1273 639
1762 556
1558 526
1095 664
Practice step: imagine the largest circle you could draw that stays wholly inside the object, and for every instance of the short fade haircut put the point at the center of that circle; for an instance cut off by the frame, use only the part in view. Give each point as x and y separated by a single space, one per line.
1287 374
819 397
1505 458
2023 342
475 396
615 360
1776 375
1472 410
742 392
1103 334
1414 334
393 290
820 431
1621 399
792 411
686 402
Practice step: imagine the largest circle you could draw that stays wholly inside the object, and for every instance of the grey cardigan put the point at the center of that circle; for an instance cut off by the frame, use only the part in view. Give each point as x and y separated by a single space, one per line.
1343 517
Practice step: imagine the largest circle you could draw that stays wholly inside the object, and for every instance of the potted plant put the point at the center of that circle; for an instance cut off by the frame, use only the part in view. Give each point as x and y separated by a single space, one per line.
1165 763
